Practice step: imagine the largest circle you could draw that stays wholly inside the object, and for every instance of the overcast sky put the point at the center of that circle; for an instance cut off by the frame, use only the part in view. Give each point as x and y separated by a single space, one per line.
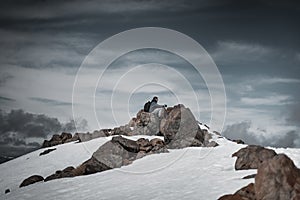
254 44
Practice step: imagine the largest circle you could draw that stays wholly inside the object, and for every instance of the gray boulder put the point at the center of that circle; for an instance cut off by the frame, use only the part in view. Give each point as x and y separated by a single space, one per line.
112 154
180 129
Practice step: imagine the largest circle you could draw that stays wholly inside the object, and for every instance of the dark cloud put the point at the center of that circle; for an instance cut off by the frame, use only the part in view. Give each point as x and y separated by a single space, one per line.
6 99
51 102
21 131
243 131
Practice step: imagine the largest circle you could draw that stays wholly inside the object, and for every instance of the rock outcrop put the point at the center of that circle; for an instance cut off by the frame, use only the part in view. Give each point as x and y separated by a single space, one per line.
67 172
31 180
121 151
252 156
113 154
180 129
59 139
278 178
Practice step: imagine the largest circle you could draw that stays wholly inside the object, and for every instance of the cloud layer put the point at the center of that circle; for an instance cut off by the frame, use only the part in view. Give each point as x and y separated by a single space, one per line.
284 136
22 131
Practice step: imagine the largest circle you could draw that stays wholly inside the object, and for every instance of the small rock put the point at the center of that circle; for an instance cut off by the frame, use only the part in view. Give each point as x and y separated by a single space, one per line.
32 179
47 151
238 141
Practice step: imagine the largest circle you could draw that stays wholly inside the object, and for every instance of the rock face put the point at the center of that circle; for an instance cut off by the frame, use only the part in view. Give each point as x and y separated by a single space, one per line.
278 178
180 129
246 193
32 179
252 156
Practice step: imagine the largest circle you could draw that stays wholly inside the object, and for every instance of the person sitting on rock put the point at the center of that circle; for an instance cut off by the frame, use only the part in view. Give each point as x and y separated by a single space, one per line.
157 109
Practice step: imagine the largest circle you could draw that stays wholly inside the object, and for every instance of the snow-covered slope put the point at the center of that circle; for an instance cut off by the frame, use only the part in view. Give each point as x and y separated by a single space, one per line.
190 173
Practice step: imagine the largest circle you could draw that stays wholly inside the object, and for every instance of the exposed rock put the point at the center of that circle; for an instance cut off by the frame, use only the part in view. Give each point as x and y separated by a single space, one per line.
83 137
47 151
158 146
278 178
122 130
7 191
112 154
249 176
129 145
246 193
31 180
58 139
212 144
90 166
141 154
67 172
180 129
145 123
238 141
142 142
252 156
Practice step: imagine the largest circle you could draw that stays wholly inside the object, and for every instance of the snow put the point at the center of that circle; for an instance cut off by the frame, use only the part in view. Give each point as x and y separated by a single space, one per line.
190 173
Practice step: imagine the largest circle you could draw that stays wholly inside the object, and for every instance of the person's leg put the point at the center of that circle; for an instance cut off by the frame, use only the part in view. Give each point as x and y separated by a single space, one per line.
162 113
156 112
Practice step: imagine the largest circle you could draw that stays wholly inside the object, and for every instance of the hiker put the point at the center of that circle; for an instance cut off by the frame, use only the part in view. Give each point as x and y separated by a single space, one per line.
157 109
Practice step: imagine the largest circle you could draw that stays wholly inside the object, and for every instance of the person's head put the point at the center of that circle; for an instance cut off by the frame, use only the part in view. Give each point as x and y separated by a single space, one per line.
155 98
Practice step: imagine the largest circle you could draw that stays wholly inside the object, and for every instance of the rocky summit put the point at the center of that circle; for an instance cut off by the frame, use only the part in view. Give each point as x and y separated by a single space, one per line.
179 129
